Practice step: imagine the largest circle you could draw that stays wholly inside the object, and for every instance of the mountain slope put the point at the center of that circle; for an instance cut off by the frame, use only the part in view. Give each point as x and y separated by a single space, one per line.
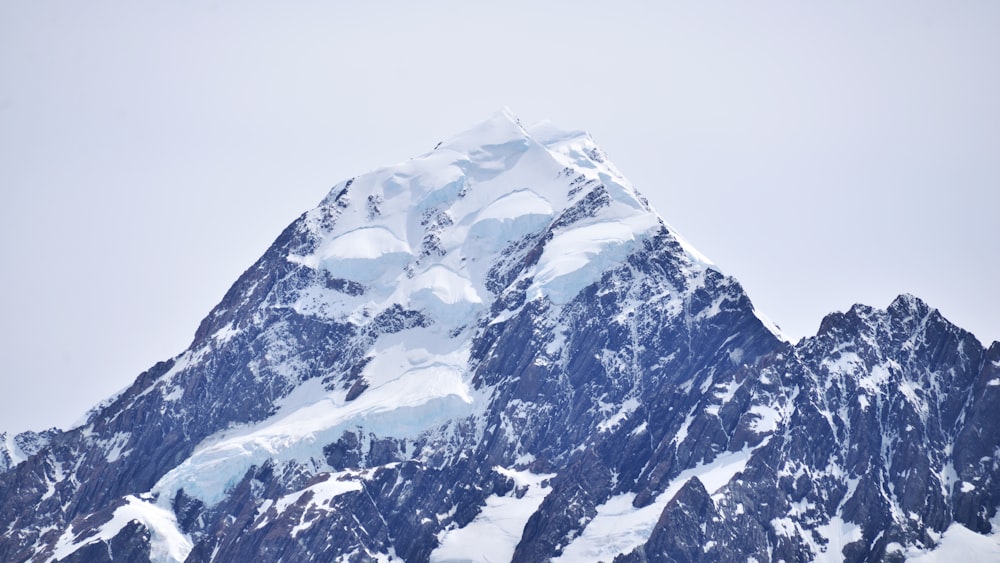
498 351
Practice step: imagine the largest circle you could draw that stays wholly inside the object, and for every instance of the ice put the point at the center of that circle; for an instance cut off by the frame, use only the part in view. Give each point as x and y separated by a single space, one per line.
363 255
948 476
442 293
619 527
496 530
167 542
577 257
506 219
415 383
516 204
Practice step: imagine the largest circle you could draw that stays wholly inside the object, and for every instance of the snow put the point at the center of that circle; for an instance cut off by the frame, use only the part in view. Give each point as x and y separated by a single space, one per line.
15 453
959 543
167 542
115 445
576 258
912 392
772 327
323 492
514 205
726 391
619 527
362 255
424 234
848 363
877 377
639 429
496 530
682 432
321 495
416 383
838 534
627 408
767 419
225 334
441 292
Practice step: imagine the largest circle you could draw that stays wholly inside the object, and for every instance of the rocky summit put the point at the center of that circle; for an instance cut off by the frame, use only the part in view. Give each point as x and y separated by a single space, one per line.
497 351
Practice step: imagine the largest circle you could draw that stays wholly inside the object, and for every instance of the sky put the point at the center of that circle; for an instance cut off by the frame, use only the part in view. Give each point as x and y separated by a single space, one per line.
824 155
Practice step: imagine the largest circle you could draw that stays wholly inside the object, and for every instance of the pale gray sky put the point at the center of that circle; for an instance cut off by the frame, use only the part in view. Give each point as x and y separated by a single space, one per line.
150 152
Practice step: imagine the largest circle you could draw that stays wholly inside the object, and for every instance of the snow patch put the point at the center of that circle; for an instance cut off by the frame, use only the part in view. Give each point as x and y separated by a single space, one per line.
726 391
507 219
440 292
225 334
322 493
876 378
627 408
364 255
115 445
682 432
767 419
959 543
414 385
496 530
772 327
13 450
619 527
838 534
576 257
167 542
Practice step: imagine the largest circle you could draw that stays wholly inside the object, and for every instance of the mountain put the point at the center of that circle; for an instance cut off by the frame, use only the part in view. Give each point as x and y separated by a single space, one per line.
499 351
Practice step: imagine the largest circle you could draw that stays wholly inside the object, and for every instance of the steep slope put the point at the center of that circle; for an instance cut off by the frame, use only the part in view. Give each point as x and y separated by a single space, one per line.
498 351
873 456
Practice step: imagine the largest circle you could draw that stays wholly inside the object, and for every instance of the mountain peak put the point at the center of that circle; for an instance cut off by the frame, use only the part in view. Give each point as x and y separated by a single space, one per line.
443 245
465 202
501 127
497 348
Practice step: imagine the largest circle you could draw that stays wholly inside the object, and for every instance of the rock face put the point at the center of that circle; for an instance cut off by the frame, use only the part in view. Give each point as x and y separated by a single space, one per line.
498 351
16 448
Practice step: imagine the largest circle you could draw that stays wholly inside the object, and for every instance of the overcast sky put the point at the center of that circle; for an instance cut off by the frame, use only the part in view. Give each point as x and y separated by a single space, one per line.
822 153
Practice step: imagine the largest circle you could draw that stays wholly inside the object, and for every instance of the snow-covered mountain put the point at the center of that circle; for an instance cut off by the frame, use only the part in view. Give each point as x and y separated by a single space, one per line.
498 351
